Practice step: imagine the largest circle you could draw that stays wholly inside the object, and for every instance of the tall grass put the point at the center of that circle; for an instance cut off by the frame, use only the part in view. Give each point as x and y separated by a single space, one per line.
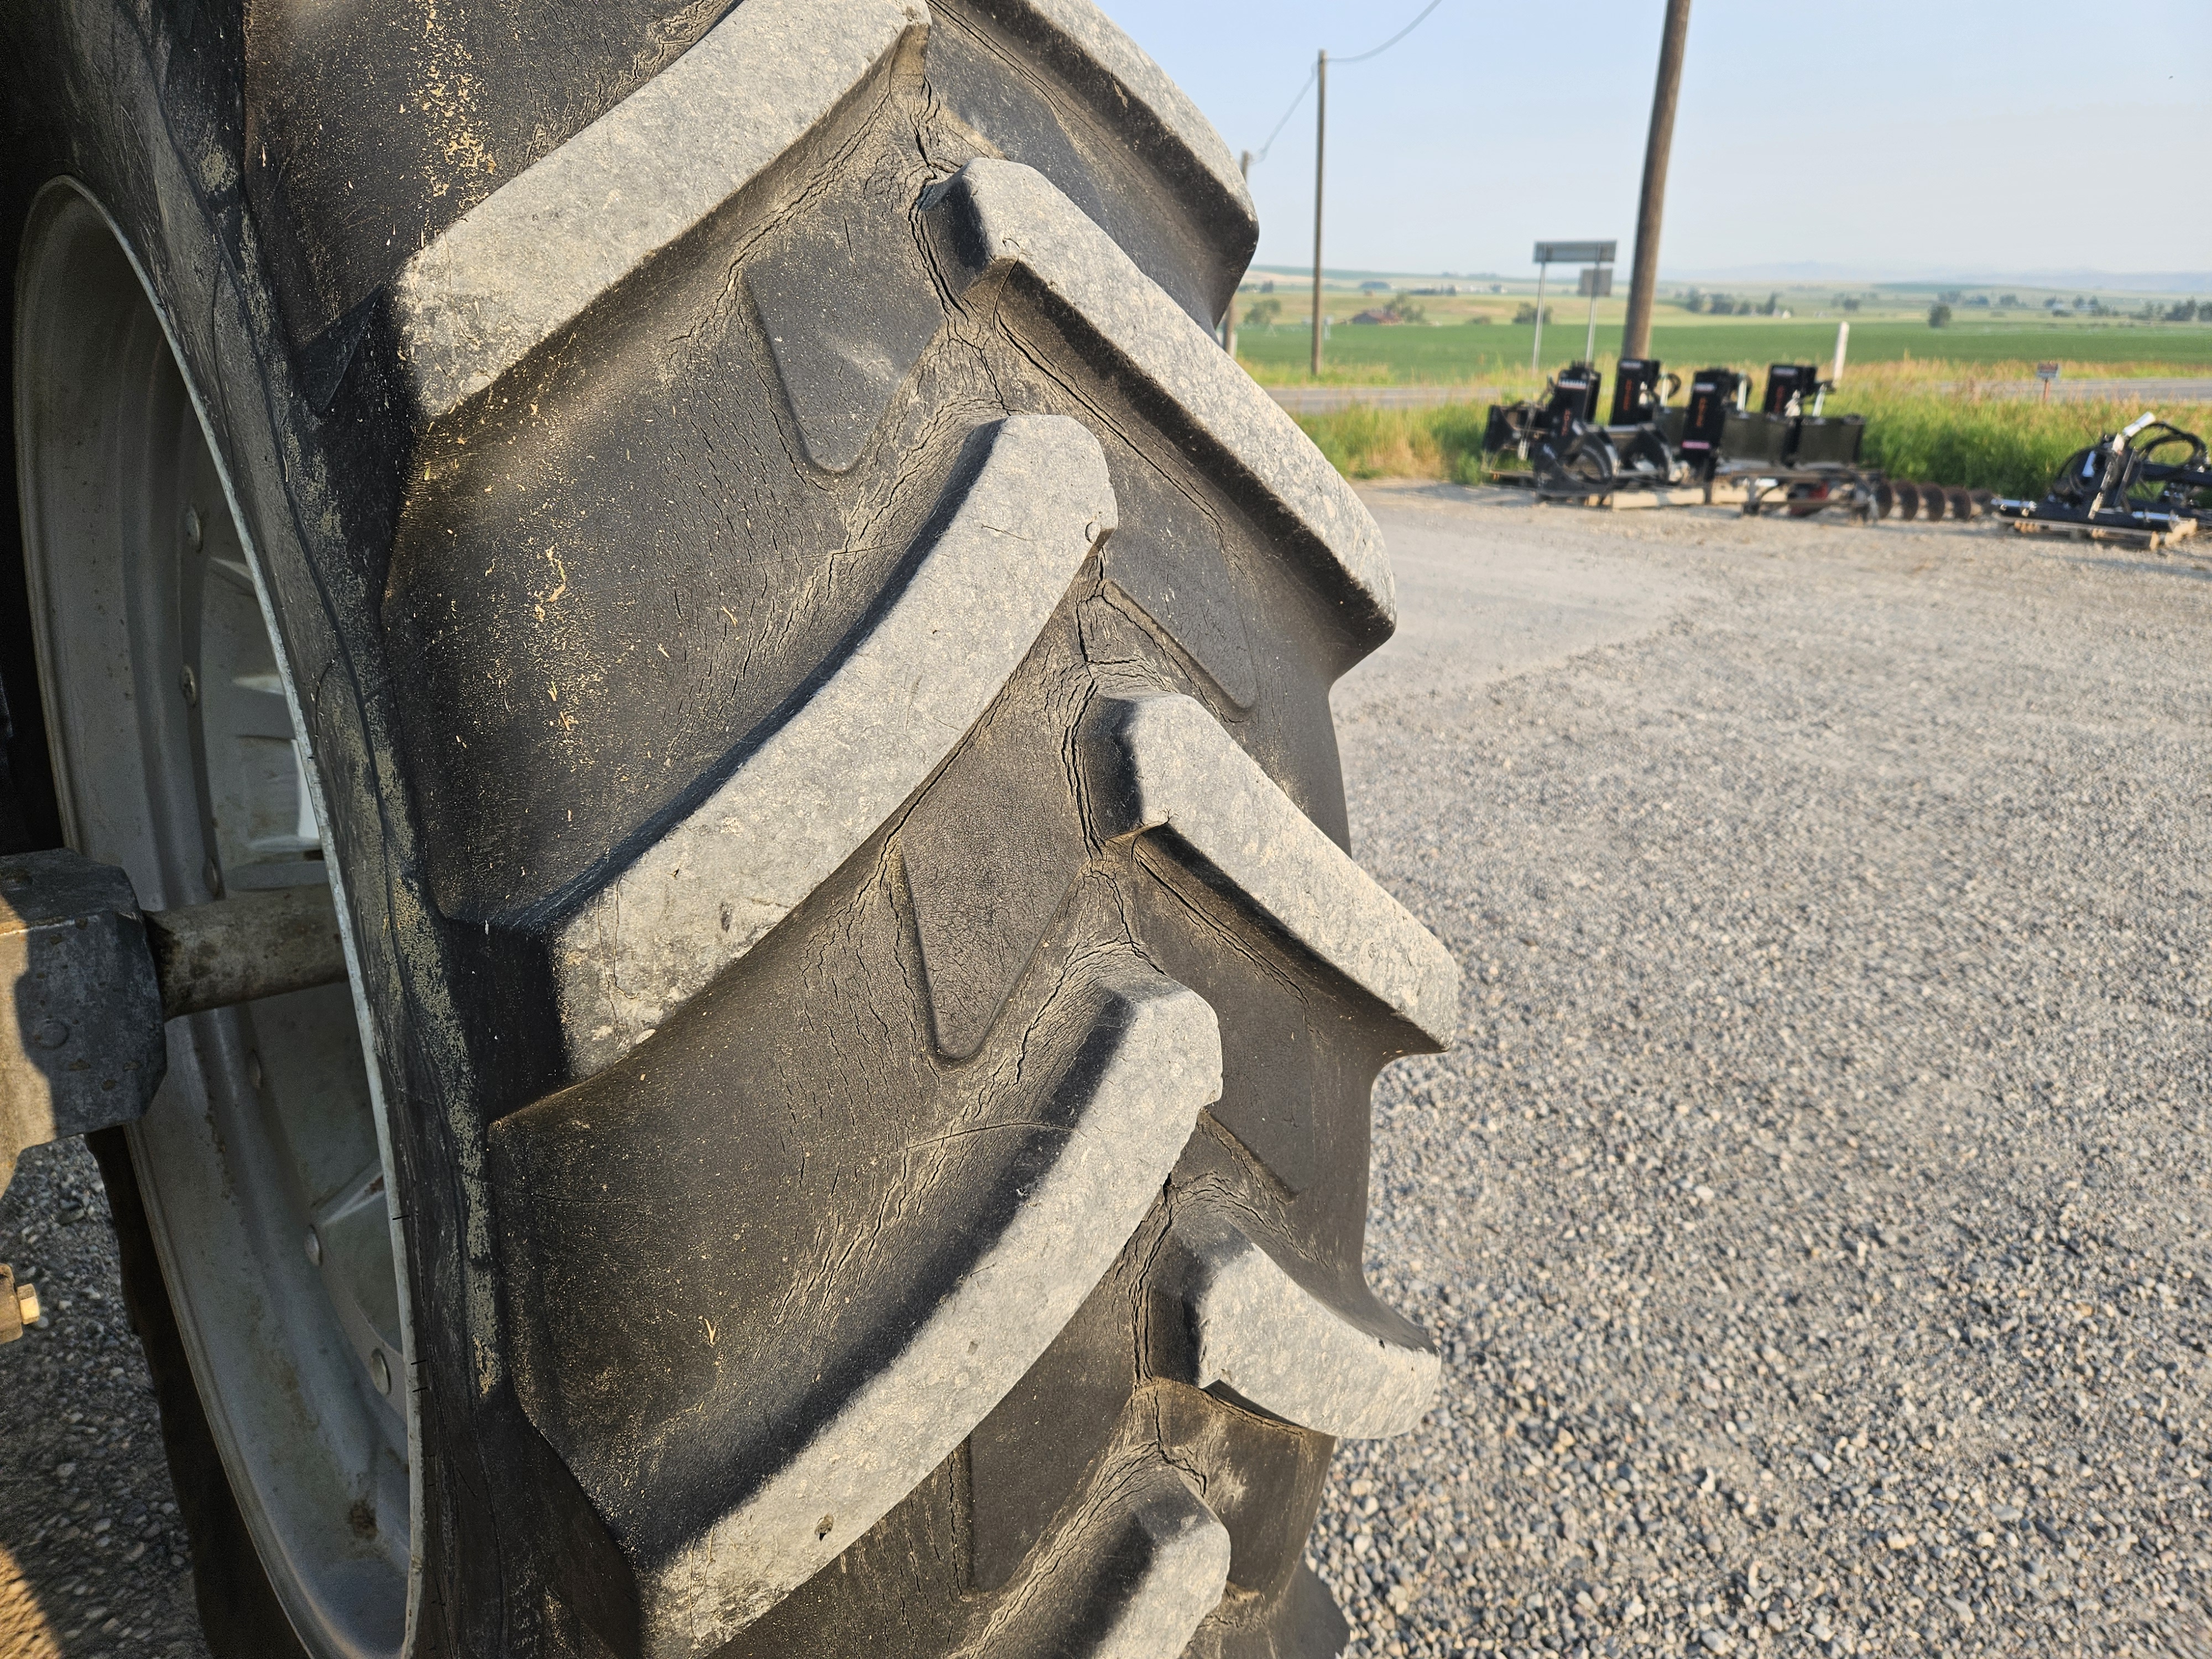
2007 445
1364 442
2012 446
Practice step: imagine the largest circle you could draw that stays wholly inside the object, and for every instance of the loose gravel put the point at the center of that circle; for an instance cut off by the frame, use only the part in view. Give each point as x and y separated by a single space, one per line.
1810 1215
93 1557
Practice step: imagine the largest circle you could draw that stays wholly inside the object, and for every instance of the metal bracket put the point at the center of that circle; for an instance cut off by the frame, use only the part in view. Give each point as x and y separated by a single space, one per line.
84 1048
95 978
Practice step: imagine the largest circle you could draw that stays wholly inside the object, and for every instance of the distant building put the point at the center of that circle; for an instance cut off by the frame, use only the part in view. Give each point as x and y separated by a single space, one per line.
1377 317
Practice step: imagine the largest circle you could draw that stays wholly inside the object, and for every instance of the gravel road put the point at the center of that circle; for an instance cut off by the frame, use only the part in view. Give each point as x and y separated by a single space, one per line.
1810 1213
92 1555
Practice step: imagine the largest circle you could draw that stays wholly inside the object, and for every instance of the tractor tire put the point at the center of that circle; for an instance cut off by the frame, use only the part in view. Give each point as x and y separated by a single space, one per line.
809 676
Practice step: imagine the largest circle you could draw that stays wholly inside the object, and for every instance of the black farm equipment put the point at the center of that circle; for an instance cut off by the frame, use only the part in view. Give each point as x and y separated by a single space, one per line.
2149 484
1571 457
1787 455
1711 449
1784 453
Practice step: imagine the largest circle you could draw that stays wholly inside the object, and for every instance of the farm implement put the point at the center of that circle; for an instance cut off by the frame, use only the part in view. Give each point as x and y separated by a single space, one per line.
2117 489
1784 453
1713 449
1627 461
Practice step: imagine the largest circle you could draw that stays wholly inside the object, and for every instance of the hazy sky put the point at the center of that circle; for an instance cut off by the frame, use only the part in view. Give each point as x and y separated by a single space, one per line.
1893 137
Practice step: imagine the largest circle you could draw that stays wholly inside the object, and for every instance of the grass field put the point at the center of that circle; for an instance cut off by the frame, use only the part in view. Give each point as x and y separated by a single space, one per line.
1496 354
2011 447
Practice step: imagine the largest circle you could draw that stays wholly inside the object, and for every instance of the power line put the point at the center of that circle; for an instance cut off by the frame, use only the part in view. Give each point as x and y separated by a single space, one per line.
1319 81
1394 38
1260 155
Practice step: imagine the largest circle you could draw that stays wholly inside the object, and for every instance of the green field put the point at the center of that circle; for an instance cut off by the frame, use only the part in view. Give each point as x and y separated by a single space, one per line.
1456 354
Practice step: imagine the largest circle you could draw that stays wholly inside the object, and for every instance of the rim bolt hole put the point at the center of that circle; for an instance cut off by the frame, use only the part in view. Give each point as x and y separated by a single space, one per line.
189 684
191 530
379 1372
314 1247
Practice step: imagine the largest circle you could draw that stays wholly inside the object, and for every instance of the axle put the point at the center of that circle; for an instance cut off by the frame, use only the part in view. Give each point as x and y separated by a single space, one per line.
95 979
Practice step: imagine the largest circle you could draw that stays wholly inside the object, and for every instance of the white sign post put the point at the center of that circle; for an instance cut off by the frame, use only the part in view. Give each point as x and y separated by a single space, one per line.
1597 283
1565 254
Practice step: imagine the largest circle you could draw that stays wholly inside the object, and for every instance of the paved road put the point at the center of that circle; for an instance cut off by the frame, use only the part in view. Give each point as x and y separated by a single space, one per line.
1813 1215
2149 393
2145 393
1327 399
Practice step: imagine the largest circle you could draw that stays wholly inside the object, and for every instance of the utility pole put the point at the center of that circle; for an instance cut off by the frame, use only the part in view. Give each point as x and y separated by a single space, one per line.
1643 274
1320 143
1228 323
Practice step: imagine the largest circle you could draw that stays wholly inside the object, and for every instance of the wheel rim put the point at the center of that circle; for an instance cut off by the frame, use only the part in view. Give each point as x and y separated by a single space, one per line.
173 727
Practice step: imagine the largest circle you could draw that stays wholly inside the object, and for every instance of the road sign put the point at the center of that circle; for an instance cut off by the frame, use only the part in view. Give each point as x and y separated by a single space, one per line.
1596 282
1567 253
1575 253
2047 371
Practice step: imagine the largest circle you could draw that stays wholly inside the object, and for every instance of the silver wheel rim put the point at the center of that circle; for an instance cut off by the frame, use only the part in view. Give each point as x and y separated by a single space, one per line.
178 752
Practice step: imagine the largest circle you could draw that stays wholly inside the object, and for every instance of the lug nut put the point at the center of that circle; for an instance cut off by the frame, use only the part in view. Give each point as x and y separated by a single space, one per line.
314 1247
379 1372
189 684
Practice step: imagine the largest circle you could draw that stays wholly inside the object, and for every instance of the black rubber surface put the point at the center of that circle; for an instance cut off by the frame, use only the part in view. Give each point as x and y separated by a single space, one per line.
533 633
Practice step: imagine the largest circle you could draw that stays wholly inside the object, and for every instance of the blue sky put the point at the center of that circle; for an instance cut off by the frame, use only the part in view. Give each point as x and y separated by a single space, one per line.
1890 138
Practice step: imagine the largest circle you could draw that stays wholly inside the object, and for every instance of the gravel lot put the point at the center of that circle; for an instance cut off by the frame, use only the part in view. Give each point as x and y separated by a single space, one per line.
92 1556
1810 1213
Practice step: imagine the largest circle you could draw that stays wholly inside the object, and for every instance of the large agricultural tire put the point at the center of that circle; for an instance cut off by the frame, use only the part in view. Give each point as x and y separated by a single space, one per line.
809 676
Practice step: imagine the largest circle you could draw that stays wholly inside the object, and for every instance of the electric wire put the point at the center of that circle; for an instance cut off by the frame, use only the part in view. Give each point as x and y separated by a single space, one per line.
1313 73
1396 38
1260 155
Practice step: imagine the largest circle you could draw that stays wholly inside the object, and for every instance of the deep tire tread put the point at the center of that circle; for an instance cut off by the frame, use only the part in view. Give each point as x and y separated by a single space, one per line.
937 978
